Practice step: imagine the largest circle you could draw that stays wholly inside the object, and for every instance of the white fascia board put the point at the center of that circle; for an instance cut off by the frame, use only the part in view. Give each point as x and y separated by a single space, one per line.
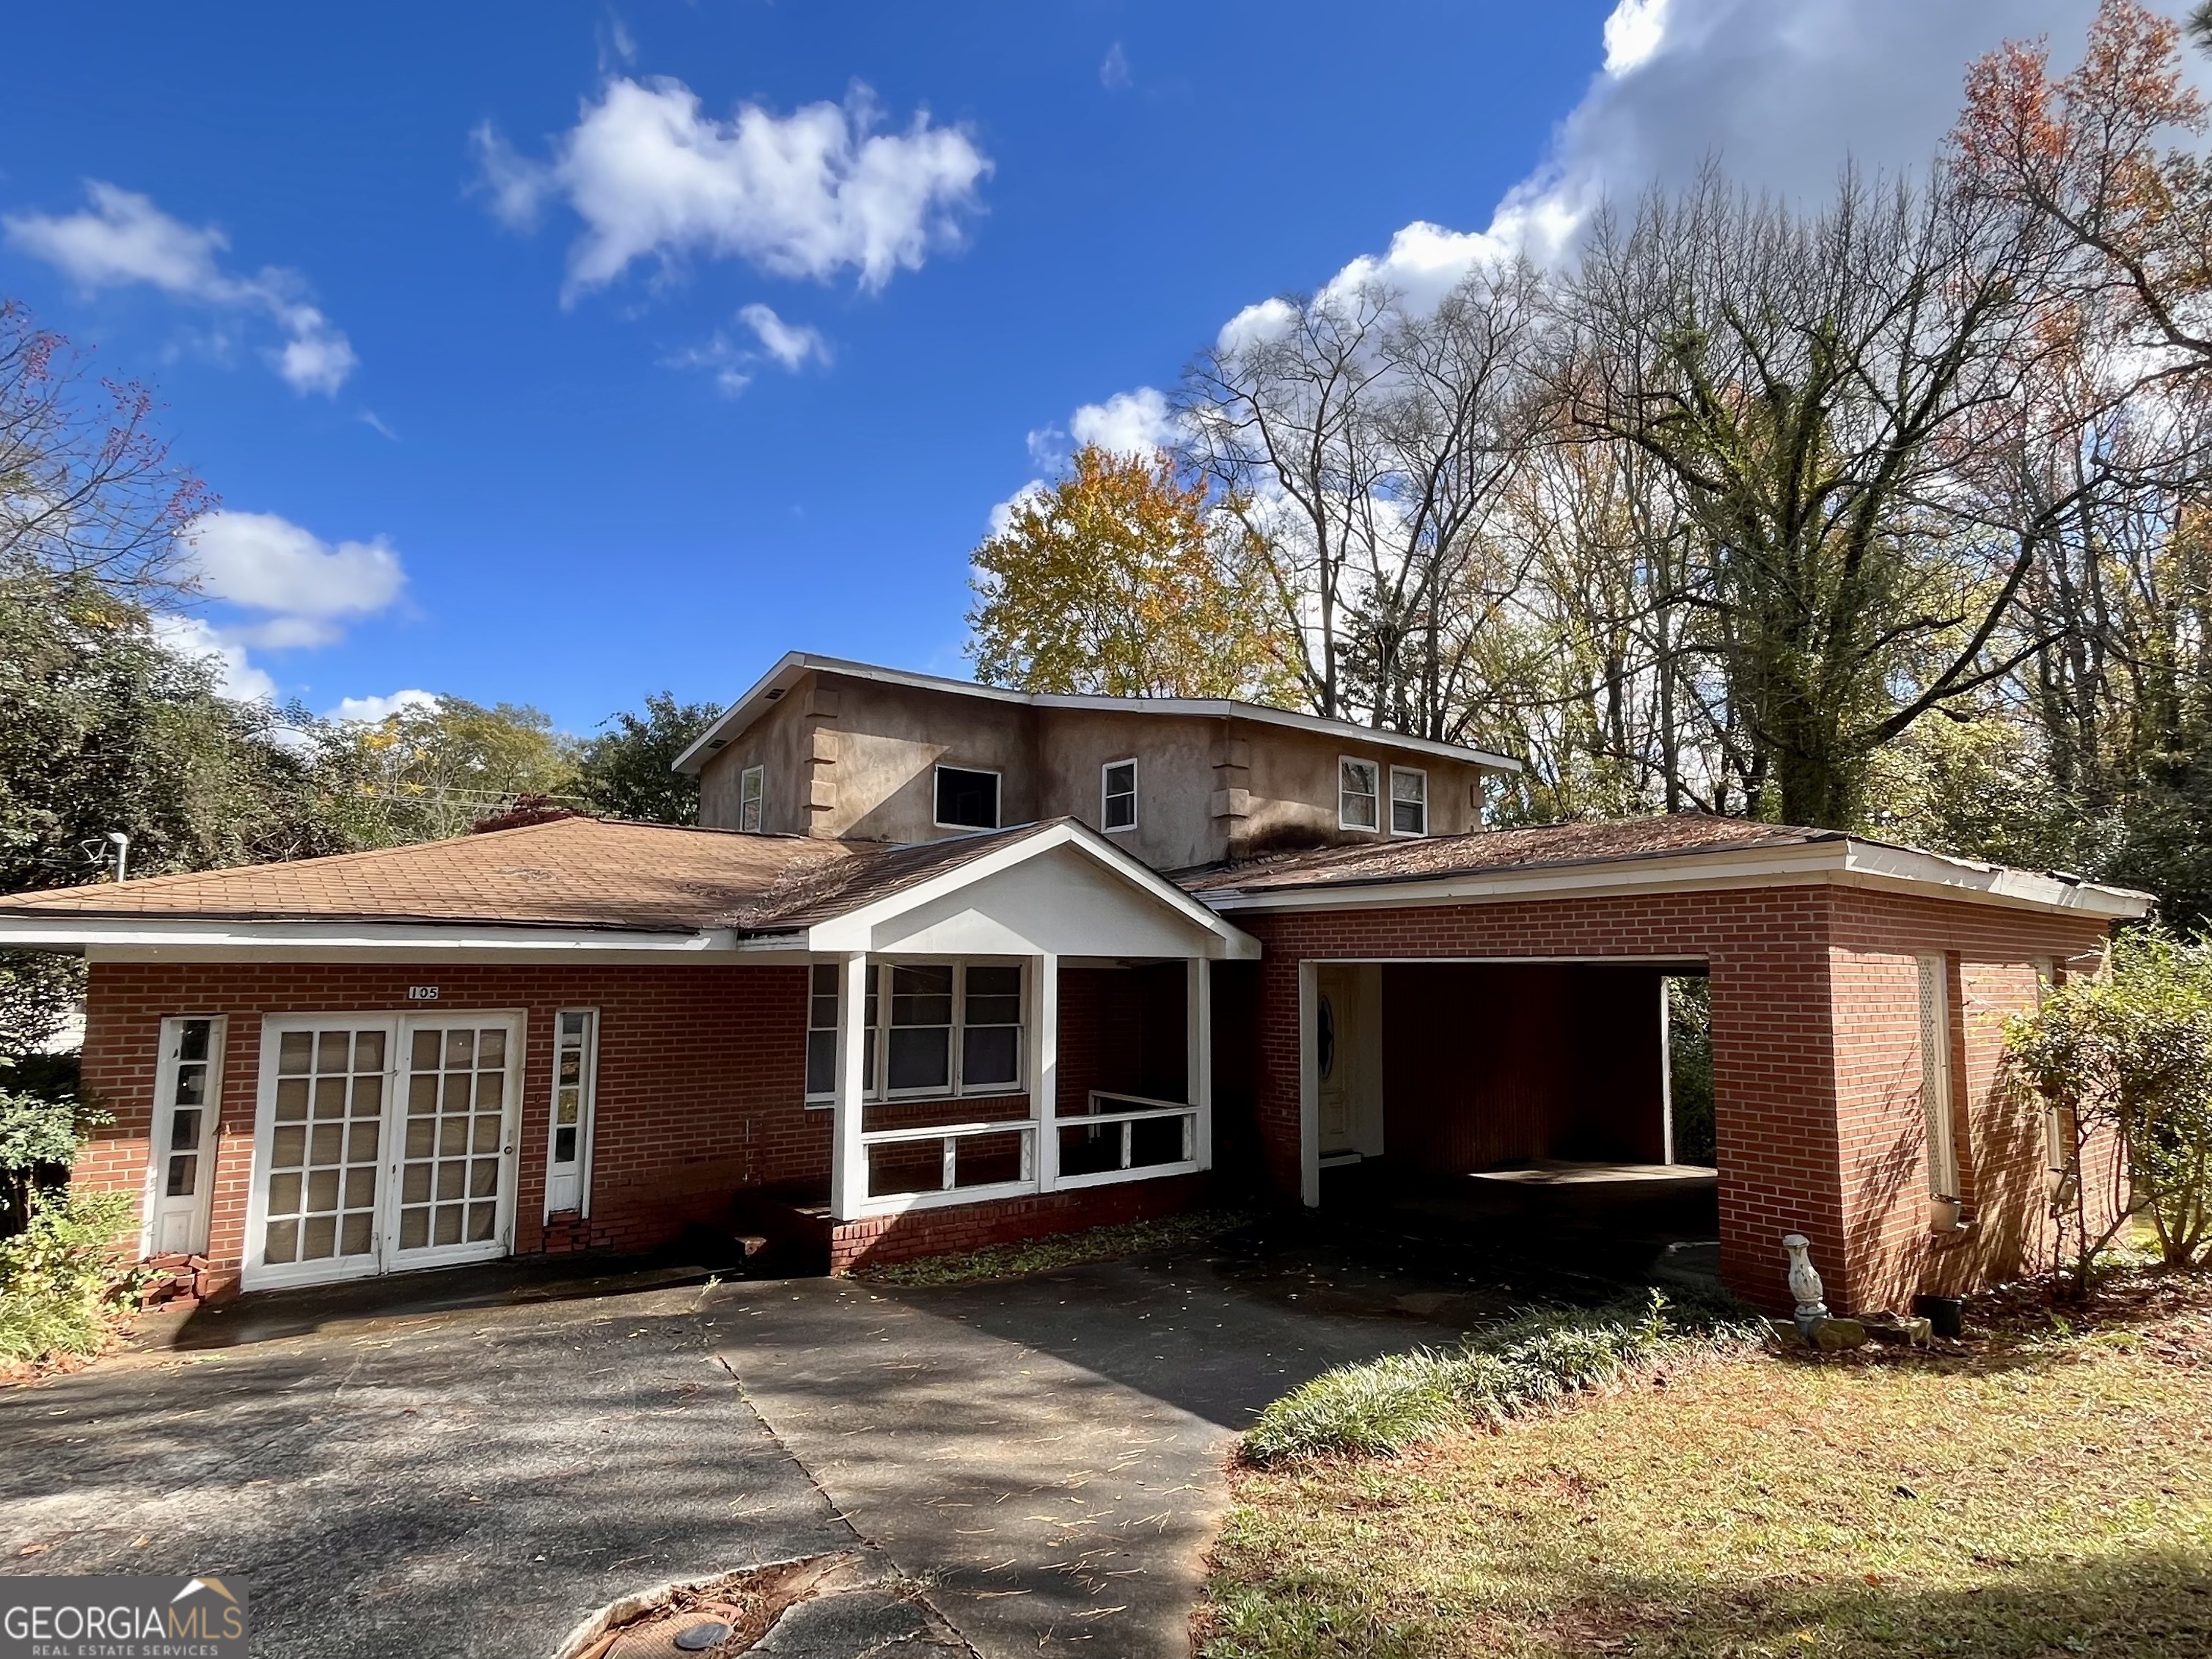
793 664
1841 861
317 938
855 929
1228 709
1883 864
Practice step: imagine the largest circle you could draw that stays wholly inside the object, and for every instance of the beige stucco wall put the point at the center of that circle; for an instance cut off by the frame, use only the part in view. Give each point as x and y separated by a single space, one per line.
1292 789
854 757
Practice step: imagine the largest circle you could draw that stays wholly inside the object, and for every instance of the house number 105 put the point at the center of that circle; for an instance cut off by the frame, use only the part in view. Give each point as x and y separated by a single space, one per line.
422 994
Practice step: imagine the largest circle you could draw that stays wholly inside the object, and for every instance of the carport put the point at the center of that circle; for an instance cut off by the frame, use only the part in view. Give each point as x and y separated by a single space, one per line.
1501 1107
1469 1013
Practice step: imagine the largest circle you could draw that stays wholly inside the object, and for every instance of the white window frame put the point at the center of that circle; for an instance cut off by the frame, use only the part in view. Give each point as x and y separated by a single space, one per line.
1935 975
1107 796
586 1104
752 798
159 1150
1396 773
1375 794
822 1099
879 1038
998 796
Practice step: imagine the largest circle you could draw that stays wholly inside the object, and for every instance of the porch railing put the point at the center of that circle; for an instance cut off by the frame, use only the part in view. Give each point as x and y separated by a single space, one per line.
1126 1138
999 1161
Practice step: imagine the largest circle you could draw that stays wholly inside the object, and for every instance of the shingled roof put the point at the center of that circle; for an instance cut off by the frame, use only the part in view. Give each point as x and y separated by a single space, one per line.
571 872
1487 850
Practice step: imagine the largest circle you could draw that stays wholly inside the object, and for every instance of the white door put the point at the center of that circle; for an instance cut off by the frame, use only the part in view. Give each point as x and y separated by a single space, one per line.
1338 1035
382 1142
187 1101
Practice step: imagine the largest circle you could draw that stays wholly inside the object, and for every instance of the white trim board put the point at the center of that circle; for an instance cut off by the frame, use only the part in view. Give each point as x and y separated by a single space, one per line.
1842 861
793 665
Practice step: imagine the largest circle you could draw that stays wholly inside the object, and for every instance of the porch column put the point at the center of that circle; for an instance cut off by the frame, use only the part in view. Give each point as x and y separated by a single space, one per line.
1045 1066
1198 1054
848 1161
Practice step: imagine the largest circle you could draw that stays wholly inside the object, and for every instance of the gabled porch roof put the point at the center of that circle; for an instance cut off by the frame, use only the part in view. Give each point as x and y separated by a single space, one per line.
599 886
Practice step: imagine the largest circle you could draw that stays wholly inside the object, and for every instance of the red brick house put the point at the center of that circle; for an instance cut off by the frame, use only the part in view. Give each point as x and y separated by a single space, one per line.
948 964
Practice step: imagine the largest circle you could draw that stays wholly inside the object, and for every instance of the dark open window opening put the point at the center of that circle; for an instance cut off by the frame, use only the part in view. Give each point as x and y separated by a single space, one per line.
967 800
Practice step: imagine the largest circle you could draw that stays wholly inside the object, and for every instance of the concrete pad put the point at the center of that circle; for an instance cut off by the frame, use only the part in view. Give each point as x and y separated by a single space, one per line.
468 1483
1047 1455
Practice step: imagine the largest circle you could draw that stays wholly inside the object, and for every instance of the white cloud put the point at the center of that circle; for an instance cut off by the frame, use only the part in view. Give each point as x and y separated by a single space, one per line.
808 194
371 711
789 343
122 238
190 636
1113 74
1782 92
266 562
1002 515
1129 422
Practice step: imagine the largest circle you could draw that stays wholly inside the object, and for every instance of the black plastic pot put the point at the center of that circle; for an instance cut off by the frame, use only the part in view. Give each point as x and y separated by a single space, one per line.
1946 1315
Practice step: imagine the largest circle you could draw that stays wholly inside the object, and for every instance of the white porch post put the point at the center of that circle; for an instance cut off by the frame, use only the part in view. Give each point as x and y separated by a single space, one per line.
1044 1065
1197 1051
1308 1088
849 1160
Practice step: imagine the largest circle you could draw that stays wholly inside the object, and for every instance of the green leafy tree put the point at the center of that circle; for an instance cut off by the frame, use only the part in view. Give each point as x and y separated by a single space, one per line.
434 769
2127 1054
1119 581
627 769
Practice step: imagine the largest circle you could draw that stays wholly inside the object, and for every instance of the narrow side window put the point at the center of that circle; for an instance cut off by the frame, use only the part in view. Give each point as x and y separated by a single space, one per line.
1936 1076
575 1083
1117 807
752 782
822 1034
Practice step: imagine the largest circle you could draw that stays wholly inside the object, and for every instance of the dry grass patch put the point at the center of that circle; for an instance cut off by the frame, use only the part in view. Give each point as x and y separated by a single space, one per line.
2048 1492
1037 1255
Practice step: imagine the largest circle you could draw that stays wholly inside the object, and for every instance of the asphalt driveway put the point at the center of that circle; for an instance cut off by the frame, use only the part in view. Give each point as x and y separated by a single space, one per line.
439 1468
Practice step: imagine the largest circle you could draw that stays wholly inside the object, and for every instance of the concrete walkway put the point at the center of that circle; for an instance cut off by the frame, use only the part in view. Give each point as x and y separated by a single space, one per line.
1047 1454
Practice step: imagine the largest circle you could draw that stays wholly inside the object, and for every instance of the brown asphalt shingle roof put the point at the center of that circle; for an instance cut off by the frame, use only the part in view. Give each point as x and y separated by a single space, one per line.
571 872
1484 850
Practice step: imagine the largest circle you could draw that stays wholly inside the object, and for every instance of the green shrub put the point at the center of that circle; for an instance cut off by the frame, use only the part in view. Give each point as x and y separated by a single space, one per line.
1386 1405
64 1289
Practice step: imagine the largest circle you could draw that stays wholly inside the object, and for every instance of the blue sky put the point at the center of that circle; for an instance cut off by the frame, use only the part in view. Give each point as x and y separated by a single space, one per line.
459 308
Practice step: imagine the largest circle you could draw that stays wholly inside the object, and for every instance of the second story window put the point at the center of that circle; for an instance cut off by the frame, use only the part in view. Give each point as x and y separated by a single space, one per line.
1117 809
966 800
1358 799
1409 801
751 785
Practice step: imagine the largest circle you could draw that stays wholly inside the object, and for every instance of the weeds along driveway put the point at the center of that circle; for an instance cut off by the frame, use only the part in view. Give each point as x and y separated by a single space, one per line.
455 1482
1048 1454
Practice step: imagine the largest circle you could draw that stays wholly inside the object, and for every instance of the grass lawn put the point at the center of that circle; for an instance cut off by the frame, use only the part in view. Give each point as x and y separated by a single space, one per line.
2047 1492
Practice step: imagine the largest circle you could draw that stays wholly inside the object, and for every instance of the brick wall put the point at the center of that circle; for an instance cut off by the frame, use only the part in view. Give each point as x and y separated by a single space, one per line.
1815 1059
942 1230
700 1079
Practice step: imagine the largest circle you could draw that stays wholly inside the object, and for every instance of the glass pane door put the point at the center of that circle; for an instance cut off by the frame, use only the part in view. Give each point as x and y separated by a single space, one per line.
455 1167
321 1134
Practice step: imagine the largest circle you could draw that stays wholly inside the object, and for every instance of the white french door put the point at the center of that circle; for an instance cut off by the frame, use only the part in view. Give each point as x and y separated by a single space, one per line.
384 1142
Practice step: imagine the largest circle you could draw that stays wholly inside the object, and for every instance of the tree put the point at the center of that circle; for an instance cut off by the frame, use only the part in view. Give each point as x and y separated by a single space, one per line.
2082 154
1123 580
629 770
1813 385
1364 444
431 771
84 495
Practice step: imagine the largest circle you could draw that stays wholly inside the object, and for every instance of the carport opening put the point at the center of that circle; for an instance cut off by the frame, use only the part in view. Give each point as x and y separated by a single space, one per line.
1562 1108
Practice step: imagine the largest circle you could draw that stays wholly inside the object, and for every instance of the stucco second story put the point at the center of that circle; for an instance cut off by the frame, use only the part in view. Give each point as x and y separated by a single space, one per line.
824 747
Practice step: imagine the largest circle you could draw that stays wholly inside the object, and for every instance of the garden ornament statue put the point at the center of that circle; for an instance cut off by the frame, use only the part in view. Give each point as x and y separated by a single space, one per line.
1815 1324
1805 1285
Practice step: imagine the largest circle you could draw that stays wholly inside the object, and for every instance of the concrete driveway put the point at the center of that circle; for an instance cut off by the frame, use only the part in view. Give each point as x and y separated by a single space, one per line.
470 1464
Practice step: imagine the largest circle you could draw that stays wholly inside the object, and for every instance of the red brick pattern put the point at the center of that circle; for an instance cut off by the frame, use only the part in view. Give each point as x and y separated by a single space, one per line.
952 1227
701 1078
1815 1046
